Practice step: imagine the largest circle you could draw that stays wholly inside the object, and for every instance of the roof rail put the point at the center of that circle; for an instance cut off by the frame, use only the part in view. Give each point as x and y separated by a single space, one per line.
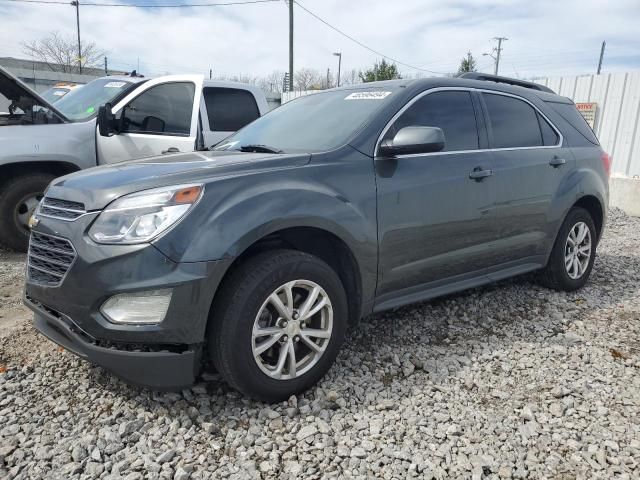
510 81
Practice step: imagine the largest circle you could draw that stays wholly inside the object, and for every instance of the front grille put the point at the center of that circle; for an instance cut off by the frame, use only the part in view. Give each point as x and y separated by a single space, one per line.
61 209
49 259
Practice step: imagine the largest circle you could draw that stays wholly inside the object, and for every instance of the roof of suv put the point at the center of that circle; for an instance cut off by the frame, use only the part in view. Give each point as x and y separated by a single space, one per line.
473 80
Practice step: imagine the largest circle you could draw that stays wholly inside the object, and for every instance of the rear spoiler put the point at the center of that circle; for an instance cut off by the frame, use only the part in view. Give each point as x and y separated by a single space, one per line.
511 81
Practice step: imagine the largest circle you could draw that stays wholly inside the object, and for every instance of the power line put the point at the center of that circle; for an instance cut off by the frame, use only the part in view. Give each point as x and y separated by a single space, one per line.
362 44
133 5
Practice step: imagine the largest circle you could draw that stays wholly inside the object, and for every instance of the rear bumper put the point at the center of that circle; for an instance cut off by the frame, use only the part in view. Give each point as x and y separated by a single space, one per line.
159 369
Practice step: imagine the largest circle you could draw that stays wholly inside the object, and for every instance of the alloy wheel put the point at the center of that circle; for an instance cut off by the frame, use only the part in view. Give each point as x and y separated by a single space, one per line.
577 250
292 329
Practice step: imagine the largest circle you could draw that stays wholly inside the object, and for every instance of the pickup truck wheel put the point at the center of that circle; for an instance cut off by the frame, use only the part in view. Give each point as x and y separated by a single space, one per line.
278 323
573 253
18 200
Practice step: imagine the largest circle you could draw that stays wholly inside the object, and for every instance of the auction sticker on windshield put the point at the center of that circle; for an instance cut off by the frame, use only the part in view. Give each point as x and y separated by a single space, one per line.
115 84
367 95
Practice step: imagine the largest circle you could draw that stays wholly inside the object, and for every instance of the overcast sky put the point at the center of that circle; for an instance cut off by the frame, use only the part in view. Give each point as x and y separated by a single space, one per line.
545 37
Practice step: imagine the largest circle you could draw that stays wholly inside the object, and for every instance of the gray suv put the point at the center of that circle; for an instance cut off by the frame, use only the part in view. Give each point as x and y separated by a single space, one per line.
257 255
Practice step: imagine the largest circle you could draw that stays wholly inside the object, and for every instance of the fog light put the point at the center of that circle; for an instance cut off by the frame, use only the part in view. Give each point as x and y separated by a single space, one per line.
137 308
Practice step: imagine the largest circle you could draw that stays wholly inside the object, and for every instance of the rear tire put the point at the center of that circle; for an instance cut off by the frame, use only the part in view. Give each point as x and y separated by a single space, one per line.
573 253
270 351
18 200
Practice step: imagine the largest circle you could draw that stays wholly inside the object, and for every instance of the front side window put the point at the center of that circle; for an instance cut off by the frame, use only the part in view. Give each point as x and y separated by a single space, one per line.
162 110
513 122
229 109
452 111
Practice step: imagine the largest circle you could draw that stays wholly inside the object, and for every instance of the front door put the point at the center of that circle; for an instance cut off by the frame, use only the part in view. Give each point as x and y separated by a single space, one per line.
434 220
161 117
530 166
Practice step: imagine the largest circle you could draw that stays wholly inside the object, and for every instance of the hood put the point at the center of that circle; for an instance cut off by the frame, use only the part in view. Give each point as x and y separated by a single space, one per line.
99 186
18 92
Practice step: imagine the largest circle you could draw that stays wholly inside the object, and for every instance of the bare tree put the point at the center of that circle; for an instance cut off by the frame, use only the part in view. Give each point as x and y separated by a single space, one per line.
272 82
60 54
306 79
350 77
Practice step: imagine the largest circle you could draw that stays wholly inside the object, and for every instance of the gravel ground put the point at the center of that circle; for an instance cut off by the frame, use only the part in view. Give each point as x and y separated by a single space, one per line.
508 381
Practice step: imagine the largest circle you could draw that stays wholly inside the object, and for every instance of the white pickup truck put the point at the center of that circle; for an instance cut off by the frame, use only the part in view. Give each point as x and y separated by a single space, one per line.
111 119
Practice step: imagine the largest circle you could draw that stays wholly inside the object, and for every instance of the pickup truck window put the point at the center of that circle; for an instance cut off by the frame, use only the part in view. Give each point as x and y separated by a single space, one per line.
83 103
229 109
162 110
295 126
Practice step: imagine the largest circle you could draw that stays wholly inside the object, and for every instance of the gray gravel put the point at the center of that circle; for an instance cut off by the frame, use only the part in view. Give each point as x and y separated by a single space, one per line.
508 381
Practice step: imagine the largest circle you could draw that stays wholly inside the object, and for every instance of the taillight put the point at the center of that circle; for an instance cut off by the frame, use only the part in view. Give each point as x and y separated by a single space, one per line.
606 162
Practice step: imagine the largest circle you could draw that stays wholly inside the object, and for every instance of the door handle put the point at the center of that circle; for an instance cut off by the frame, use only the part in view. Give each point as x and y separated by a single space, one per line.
556 162
478 174
170 150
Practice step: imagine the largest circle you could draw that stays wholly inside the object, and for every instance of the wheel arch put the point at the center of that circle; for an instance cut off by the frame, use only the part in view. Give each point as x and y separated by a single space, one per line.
322 243
595 208
53 167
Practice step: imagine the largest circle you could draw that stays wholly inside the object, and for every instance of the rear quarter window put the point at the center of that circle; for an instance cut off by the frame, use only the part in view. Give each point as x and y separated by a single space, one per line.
570 113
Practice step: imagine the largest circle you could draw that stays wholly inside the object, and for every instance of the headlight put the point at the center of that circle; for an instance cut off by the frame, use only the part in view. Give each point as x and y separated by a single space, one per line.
142 216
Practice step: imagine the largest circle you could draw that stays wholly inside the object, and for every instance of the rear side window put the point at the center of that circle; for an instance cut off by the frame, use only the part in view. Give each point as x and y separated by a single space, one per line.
229 109
451 111
514 123
549 135
571 114
162 110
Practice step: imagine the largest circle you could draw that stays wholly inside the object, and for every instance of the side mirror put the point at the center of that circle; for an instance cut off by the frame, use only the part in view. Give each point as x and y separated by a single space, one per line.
411 140
106 121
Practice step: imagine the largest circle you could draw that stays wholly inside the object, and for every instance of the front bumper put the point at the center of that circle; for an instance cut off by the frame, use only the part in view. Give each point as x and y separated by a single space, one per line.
161 370
161 356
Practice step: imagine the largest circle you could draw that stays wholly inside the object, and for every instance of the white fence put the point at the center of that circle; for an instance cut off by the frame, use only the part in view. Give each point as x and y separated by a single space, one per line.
617 114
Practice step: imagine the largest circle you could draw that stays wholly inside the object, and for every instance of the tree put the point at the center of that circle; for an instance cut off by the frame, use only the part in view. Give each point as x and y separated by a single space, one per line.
60 54
350 77
306 79
381 71
467 64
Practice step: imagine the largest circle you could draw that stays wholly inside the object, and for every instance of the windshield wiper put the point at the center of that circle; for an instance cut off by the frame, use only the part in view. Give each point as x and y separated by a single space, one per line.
259 149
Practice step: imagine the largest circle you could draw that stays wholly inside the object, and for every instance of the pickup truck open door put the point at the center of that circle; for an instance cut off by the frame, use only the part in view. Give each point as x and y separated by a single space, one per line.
159 117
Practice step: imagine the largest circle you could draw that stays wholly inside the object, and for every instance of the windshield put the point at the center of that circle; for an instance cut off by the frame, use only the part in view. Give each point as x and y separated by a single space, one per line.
314 123
83 103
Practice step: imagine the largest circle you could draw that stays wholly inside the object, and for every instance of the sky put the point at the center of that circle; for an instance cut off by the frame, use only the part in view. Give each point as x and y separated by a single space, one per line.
545 38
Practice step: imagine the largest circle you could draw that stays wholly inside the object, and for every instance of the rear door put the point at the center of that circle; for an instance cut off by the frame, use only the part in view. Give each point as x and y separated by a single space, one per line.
227 111
530 167
434 219
159 117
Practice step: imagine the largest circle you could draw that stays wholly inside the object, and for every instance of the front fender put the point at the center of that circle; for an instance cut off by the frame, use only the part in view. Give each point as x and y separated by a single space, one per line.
234 213
70 143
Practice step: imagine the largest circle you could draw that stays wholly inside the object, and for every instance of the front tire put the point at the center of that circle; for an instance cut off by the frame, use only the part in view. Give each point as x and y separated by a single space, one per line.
573 253
278 323
19 198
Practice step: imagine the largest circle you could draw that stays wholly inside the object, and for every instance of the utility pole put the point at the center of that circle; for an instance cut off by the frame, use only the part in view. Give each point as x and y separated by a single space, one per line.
106 70
210 73
291 45
498 51
601 57
76 3
339 55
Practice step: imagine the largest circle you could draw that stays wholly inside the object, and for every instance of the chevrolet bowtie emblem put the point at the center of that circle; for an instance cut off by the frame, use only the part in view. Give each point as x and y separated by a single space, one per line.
33 221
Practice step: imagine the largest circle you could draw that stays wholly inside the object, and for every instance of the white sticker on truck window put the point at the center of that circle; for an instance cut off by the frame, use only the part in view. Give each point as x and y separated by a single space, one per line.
114 84
367 95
